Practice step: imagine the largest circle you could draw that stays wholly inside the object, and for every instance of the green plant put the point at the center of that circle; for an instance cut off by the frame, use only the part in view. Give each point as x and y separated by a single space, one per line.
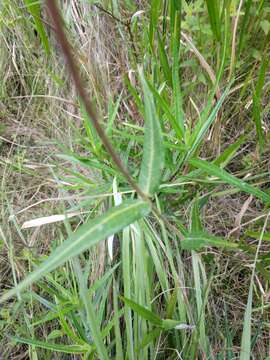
153 188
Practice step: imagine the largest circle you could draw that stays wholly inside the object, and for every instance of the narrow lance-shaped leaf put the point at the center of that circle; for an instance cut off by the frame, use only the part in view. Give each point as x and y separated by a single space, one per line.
153 149
214 170
69 349
164 60
196 241
143 312
88 235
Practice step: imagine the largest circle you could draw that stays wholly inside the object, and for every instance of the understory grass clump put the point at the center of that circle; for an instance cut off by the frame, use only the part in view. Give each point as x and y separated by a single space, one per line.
135 191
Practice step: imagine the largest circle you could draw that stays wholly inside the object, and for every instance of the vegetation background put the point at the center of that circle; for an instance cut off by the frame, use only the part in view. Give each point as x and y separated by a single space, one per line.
181 89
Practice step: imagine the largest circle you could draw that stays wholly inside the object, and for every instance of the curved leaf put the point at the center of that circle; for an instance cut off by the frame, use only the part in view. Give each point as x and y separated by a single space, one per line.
88 235
214 170
69 349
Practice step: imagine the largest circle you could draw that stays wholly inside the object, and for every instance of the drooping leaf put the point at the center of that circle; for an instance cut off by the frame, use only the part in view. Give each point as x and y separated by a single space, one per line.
88 235
214 170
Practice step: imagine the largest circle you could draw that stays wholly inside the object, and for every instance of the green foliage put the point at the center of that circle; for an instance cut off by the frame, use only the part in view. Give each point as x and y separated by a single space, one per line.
214 16
88 235
153 152
171 88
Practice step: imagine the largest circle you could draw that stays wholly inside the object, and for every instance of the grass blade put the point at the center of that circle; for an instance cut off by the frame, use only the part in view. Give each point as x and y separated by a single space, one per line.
34 9
153 149
201 128
196 226
88 235
167 111
257 111
243 31
164 60
155 6
127 280
90 311
176 7
214 170
143 312
229 152
246 341
213 12
69 349
119 349
198 240
246 335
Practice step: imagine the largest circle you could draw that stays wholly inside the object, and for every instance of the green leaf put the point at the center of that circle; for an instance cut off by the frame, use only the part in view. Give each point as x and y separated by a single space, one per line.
55 334
196 224
112 113
155 6
257 234
196 241
265 25
164 60
229 152
34 9
143 312
257 108
153 149
246 335
243 32
90 130
203 126
177 93
214 170
167 110
197 227
69 349
168 324
150 337
87 235
92 319
213 12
